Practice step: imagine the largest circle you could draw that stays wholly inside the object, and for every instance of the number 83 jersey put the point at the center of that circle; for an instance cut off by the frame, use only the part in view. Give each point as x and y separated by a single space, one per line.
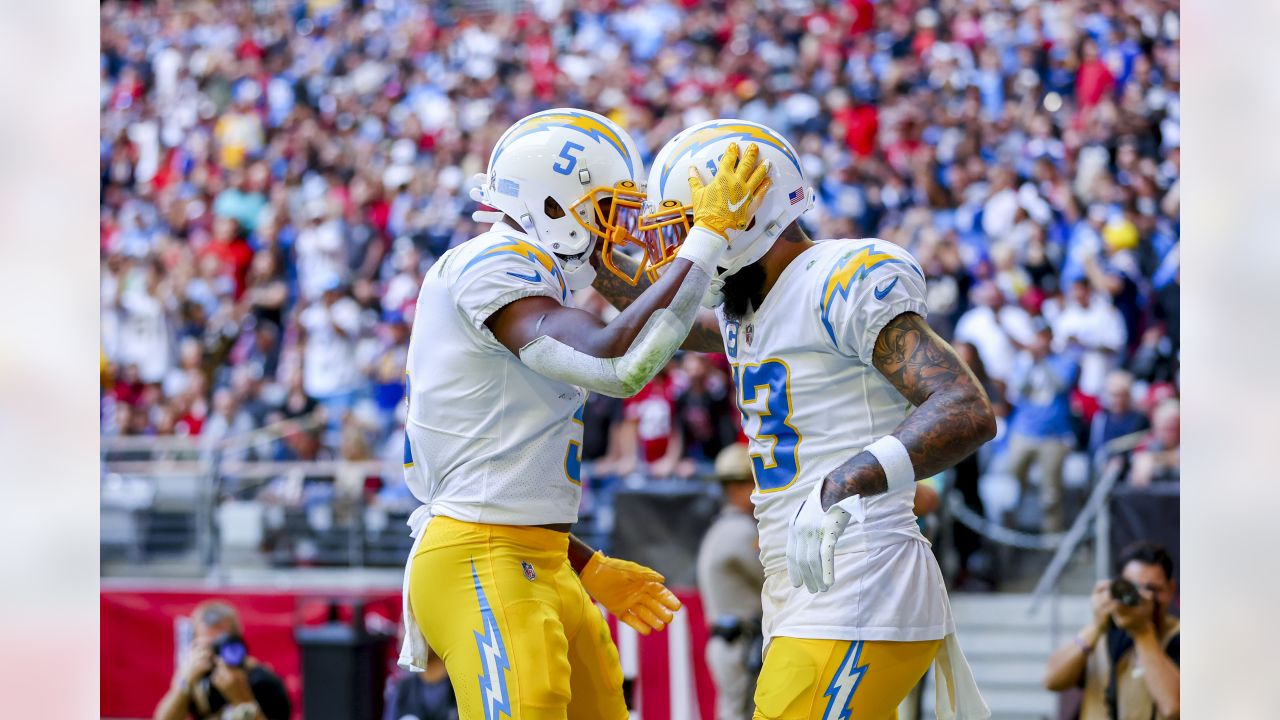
809 395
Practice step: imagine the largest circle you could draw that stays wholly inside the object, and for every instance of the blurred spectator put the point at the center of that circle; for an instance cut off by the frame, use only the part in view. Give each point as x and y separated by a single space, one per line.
1157 459
427 695
1116 273
730 579
1126 657
1117 417
1167 282
228 420
319 249
996 329
1156 359
1089 321
705 413
243 201
649 430
144 328
266 291
1094 79
1040 429
331 327
601 426
219 678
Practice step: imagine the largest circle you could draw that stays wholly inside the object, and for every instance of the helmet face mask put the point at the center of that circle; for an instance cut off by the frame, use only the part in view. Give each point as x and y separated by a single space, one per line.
657 234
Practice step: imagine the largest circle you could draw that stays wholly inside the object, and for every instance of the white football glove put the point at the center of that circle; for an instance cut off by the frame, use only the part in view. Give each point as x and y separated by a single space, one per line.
811 543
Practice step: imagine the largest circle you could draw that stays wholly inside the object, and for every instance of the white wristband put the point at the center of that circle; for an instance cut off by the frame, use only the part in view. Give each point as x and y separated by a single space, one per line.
893 457
703 248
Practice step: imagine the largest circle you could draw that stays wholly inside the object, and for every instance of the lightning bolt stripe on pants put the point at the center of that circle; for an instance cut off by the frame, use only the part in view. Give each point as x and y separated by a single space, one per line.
844 683
494 661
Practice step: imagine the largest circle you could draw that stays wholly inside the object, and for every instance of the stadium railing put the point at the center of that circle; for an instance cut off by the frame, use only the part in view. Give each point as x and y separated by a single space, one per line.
177 506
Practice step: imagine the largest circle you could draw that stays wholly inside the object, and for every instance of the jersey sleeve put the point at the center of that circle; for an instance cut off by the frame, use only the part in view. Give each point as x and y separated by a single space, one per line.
504 269
867 286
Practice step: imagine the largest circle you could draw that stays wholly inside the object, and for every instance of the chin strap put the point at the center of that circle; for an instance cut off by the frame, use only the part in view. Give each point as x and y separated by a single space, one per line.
578 272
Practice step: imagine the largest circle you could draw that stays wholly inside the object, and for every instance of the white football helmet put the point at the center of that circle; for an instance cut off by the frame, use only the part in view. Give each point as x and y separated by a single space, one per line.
552 171
668 210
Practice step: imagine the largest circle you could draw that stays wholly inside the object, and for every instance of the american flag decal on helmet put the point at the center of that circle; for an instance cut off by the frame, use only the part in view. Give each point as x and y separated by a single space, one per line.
796 195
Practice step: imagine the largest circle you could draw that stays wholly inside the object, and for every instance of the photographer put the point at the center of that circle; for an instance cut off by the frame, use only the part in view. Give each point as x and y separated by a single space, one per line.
1126 657
219 679
730 578
426 695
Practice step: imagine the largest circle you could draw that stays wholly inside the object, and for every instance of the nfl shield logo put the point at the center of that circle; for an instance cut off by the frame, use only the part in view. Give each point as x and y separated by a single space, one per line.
749 332
528 571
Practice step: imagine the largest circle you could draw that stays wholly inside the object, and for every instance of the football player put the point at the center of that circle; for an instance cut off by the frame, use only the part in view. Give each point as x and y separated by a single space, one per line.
499 366
847 398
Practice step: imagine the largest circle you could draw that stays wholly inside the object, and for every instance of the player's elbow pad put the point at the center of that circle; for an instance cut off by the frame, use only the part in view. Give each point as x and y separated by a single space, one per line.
652 349
553 359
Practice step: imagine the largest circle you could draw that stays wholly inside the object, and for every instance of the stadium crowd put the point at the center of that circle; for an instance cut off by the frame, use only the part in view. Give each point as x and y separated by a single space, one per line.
277 176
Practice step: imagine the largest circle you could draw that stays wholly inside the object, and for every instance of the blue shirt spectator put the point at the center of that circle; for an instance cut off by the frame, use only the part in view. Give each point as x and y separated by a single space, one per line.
1040 388
1117 417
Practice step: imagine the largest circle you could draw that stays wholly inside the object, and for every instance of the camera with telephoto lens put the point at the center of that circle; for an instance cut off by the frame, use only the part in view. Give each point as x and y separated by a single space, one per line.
727 628
1125 592
205 698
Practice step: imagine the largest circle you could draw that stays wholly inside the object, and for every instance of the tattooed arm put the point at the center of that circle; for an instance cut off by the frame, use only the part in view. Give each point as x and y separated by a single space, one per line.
952 417
704 336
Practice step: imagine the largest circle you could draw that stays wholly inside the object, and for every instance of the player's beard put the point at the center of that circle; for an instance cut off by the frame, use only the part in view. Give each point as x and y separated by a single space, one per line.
743 290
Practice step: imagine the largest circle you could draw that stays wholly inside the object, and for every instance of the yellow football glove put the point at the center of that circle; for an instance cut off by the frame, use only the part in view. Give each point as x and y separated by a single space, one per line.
735 192
632 592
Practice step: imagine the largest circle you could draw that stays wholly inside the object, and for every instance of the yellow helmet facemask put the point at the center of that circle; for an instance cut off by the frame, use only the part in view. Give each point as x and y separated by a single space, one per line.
657 235
618 227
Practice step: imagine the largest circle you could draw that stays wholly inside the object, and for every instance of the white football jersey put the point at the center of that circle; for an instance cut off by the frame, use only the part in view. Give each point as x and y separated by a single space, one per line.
811 400
487 439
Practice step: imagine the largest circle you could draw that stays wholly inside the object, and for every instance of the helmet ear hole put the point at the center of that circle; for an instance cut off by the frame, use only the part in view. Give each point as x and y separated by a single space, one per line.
552 209
750 224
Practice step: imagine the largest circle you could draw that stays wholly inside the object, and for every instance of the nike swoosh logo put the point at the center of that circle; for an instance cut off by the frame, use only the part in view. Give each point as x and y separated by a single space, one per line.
535 277
882 294
733 207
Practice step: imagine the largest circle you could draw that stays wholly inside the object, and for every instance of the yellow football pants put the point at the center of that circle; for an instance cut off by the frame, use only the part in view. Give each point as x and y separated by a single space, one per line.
518 633
839 679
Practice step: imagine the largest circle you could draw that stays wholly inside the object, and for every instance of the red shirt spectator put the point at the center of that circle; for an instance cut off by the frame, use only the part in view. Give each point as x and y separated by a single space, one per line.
901 153
248 49
1094 80
190 423
232 252
652 409
861 126
864 16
